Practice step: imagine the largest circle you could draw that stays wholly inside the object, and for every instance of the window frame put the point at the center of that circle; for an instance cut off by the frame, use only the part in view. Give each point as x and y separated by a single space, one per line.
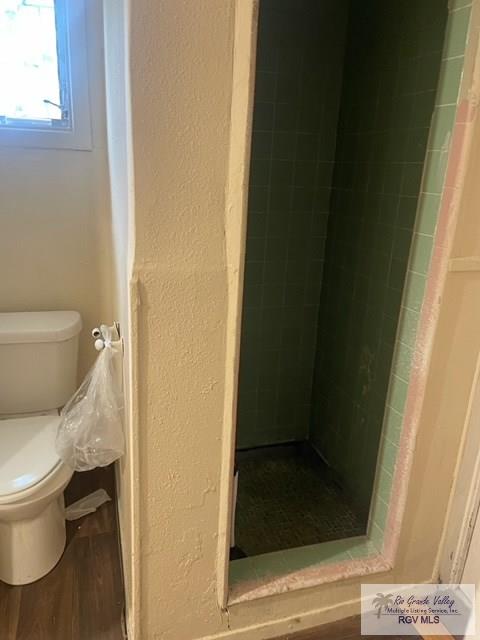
74 90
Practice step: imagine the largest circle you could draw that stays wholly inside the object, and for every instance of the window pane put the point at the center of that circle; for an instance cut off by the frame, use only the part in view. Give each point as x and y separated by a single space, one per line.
28 61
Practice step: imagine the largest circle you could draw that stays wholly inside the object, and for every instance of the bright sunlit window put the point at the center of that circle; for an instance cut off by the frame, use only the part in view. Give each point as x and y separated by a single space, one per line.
31 76
43 74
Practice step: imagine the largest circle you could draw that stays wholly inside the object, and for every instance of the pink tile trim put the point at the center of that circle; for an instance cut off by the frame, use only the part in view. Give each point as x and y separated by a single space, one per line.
427 324
310 577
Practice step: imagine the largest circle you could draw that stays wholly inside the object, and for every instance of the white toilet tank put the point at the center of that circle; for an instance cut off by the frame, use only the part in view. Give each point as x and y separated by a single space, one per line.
38 360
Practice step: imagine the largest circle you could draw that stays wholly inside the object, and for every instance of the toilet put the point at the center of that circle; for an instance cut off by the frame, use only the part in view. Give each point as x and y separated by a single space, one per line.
38 374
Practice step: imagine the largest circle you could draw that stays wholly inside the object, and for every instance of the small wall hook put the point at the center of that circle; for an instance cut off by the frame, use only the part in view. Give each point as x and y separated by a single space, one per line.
106 336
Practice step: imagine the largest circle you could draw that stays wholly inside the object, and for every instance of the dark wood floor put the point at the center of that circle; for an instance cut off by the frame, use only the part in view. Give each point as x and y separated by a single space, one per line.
82 597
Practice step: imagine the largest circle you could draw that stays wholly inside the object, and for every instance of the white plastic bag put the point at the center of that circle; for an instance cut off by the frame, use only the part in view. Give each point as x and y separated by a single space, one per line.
90 433
86 505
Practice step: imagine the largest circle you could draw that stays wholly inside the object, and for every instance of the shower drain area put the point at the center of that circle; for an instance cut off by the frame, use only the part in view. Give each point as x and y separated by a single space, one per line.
287 498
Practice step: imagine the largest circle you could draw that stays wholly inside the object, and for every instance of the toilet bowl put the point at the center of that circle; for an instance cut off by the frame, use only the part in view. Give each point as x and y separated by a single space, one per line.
38 366
32 480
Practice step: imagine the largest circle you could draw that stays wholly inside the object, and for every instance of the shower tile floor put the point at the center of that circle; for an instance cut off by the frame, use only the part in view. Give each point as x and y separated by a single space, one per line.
288 498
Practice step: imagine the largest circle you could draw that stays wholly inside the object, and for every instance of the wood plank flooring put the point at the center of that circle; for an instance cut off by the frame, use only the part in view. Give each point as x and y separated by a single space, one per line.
82 597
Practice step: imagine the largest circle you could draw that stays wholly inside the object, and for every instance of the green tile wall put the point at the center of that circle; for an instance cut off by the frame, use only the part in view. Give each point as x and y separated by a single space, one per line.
391 74
446 102
297 90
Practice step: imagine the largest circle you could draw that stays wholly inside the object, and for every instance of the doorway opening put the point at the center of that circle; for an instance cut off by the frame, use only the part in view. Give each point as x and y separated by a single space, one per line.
343 102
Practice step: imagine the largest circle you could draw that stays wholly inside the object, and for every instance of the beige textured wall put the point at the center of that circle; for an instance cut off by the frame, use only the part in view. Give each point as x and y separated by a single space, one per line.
181 75
55 218
181 60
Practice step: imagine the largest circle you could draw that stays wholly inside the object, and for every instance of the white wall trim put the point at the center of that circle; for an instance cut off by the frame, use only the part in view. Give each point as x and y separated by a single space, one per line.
465 498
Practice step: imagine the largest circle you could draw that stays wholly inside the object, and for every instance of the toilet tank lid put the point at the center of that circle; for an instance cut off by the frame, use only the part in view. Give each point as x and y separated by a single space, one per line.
39 326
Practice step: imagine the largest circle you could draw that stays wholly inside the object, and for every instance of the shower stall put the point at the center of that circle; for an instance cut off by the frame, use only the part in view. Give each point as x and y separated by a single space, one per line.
343 102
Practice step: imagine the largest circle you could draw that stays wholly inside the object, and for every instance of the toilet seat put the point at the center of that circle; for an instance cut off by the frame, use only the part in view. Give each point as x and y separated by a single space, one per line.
28 458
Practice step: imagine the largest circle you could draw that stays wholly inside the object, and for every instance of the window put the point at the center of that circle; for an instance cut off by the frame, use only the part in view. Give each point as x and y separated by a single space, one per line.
43 74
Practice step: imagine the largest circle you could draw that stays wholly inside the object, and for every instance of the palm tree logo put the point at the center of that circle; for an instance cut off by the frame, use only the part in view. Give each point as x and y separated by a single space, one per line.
382 602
